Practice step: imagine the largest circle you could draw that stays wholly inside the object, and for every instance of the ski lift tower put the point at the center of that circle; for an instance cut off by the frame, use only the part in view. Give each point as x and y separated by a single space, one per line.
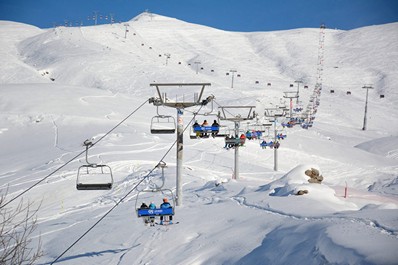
367 87
233 71
180 103
298 88
274 114
126 29
234 114
291 95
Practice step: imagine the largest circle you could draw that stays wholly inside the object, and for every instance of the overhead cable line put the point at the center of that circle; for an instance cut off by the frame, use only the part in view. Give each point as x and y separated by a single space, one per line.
124 197
75 157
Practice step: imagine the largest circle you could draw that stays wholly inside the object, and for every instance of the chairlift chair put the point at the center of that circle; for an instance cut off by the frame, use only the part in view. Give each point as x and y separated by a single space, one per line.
223 131
93 176
151 214
205 131
163 124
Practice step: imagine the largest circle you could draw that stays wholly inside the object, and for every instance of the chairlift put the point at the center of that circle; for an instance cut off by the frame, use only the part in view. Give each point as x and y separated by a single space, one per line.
197 131
234 142
93 176
148 214
258 129
223 131
200 131
264 144
162 124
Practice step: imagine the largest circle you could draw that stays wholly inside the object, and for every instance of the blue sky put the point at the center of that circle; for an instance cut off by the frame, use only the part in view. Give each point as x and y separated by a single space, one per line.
233 15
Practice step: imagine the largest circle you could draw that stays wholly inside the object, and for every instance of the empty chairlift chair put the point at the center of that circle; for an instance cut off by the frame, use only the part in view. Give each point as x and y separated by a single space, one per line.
163 124
93 176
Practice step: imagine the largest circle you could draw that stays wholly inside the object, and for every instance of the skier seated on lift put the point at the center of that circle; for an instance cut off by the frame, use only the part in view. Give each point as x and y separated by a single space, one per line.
263 144
216 126
196 129
228 144
151 219
166 205
144 206
205 123
249 135
242 139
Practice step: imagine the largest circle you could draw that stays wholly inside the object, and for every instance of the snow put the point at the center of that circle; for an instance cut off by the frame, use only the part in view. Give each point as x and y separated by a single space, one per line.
62 86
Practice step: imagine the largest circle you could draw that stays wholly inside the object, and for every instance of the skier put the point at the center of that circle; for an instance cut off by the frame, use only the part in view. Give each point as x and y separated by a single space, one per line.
152 206
242 139
166 205
205 123
196 128
215 128
263 144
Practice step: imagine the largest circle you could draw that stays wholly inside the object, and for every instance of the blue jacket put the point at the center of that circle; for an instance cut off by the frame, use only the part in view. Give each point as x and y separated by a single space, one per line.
165 205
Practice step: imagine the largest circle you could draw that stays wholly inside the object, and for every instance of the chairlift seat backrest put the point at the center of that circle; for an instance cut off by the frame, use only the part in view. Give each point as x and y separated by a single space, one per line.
155 212
234 141
206 128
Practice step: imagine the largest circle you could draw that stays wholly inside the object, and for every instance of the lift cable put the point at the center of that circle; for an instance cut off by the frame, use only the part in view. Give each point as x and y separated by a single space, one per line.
75 157
124 197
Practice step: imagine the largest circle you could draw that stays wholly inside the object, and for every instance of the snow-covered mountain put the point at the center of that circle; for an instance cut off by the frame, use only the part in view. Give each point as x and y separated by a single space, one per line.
59 87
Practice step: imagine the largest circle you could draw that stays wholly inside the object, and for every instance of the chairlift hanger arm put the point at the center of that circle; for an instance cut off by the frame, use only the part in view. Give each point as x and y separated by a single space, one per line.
237 117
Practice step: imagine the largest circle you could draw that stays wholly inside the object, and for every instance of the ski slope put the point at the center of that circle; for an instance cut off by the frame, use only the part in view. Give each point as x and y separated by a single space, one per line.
59 87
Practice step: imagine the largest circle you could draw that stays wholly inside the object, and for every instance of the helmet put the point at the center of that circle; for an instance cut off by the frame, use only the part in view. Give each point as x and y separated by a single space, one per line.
165 200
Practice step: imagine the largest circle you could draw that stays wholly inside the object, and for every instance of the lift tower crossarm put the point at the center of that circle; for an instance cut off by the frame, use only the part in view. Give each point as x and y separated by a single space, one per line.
180 105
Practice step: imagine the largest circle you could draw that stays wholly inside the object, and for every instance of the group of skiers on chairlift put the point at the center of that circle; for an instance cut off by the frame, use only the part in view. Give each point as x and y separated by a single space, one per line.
231 141
202 132
270 144
152 206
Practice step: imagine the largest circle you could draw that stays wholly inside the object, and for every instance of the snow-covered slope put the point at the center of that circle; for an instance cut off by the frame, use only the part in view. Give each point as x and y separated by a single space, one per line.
61 86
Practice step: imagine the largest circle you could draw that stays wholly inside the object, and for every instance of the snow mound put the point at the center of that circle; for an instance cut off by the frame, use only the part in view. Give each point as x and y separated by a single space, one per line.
296 180
316 195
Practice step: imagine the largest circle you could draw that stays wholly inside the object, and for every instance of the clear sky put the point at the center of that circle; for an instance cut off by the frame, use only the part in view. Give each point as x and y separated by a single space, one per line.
232 15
